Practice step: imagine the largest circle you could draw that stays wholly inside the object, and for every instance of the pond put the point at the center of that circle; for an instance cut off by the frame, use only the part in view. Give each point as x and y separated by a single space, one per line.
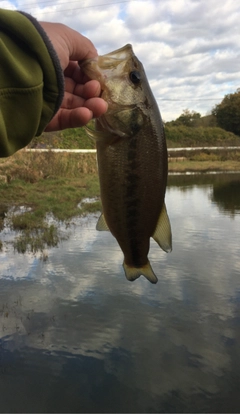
76 336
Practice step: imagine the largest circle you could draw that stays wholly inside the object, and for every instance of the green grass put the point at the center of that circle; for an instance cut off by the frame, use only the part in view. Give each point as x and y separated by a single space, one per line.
46 183
57 196
182 136
203 166
73 138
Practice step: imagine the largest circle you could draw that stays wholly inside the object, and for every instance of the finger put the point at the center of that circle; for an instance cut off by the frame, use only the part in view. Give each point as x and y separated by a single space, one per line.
77 117
74 72
88 90
97 106
72 101
69 119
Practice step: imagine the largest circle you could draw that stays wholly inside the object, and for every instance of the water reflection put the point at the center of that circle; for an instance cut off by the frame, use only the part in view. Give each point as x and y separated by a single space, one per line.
76 336
225 188
227 196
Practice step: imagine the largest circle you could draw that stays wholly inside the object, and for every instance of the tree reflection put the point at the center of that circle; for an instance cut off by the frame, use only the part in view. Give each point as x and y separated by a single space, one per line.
3 212
201 179
225 188
227 196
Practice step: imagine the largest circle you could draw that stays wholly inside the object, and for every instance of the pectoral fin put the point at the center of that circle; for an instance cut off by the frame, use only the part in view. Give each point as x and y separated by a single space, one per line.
107 136
101 224
97 135
163 234
133 273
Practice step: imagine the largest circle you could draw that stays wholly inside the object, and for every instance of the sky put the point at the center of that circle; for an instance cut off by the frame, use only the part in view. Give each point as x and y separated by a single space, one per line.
189 48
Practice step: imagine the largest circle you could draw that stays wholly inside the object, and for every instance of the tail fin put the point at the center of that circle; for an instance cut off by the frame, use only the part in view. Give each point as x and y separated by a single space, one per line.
133 273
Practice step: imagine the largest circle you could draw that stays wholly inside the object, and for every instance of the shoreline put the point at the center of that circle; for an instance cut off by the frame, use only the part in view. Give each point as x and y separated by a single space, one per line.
186 166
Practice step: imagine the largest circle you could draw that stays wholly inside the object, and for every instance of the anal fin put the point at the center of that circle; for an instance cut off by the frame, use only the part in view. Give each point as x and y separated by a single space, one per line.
163 234
102 224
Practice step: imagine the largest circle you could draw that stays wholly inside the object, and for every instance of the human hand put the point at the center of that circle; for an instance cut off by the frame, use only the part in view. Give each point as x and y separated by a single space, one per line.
81 100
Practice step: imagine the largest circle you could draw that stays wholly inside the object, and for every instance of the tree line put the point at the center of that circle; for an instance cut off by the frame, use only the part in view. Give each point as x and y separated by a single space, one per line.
225 115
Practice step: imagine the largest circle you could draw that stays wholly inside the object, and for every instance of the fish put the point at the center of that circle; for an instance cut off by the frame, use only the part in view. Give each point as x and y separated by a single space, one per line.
132 160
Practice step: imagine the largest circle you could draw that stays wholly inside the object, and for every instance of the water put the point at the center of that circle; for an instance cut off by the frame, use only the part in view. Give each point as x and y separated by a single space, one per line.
76 336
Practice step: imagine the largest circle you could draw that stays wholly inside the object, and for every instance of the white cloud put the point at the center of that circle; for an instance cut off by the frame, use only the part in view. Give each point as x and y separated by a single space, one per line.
189 48
7 5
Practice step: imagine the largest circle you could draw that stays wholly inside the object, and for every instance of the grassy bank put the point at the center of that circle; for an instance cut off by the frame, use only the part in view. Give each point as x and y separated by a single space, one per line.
45 183
203 166
176 136
55 183
183 136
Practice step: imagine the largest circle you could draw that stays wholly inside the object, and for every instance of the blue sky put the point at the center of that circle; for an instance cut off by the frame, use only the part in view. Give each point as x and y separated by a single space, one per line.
189 48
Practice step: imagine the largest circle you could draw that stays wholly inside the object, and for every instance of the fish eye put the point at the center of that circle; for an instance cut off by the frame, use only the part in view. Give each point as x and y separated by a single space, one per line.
135 77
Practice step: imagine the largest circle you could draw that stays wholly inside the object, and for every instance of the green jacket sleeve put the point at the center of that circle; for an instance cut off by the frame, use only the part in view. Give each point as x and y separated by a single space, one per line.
31 80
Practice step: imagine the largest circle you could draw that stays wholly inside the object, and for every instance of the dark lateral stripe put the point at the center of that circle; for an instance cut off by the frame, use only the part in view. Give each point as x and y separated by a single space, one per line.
132 201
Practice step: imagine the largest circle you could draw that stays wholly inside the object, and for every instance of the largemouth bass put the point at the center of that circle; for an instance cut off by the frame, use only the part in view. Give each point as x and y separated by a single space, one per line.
132 160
